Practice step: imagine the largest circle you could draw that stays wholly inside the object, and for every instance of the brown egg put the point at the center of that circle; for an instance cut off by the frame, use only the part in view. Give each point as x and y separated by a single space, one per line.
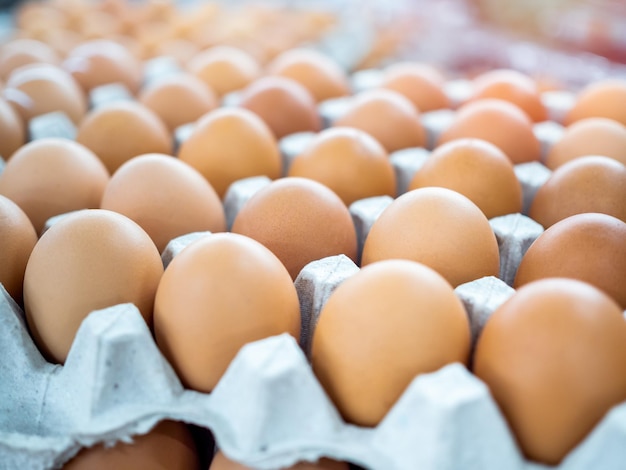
18 52
512 86
437 227
589 247
300 220
387 116
102 61
380 328
221 462
478 170
229 144
88 260
218 294
17 238
603 98
350 162
122 130
420 83
37 89
52 176
179 99
224 69
499 122
165 196
285 105
592 136
554 358
168 446
585 184
12 133
182 50
315 71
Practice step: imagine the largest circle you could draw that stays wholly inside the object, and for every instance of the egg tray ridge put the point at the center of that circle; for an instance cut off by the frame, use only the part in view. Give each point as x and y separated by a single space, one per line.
268 411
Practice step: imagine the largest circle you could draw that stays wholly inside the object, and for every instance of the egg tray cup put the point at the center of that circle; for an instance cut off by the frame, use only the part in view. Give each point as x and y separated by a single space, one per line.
268 411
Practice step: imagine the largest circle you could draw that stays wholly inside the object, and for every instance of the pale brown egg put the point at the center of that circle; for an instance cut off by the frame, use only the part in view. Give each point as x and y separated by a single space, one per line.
603 98
437 227
102 61
36 89
300 220
179 99
168 446
317 72
218 294
592 136
285 105
554 358
478 170
499 122
182 50
224 68
512 86
88 260
229 144
350 162
387 116
18 52
17 239
381 328
165 196
52 176
122 130
12 132
585 184
589 247
420 83
221 462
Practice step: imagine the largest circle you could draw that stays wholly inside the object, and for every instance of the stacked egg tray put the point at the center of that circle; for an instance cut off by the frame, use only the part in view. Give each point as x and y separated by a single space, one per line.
269 411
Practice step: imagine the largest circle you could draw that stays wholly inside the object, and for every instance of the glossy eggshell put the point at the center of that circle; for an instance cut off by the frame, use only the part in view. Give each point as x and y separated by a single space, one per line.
219 293
589 247
554 358
387 116
478 170
380 328
168 446
592 136
12 132
603 98
418 82
221 462
17 239
585 184
89 260
165 196
229 144
349 161
498 122
48 177
18 52
299 220
437 227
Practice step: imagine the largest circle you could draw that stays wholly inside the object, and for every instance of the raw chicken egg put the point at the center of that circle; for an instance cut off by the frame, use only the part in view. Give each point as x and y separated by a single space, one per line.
285 105
229 144
12 132
165 196
499 122
219 293
18 52
589 247
478 170
122 130
88 260
604 98
350 162
379 329
585 184
221 462
52 176
387 116
592 136
554 358
299 220
420 83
